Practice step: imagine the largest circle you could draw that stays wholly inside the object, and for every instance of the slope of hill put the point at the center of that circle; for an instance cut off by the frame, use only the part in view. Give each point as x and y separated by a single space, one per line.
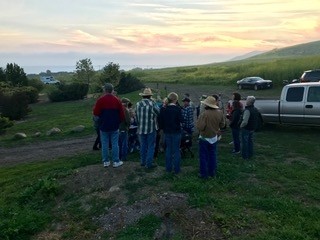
247 55
301 50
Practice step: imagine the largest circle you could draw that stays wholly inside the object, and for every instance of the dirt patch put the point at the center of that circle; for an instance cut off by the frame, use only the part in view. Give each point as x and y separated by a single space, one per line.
45 150
172 208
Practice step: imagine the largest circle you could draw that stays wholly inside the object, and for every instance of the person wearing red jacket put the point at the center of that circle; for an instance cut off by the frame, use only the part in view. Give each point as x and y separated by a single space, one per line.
109 113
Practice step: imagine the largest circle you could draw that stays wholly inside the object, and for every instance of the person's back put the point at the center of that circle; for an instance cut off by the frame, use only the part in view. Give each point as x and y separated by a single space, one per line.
188 119
146 116
109 110
170 123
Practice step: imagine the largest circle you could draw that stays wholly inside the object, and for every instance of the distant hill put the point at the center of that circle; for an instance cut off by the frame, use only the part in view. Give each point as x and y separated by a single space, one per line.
301 50
247 55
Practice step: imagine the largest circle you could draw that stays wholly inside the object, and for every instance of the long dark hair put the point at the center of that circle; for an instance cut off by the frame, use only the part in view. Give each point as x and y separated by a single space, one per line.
236 104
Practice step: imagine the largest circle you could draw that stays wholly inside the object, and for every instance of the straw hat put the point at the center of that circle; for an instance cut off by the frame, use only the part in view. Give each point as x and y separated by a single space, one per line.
210 102
146 92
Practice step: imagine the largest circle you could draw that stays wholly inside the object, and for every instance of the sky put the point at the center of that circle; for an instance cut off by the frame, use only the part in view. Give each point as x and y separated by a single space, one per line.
41 35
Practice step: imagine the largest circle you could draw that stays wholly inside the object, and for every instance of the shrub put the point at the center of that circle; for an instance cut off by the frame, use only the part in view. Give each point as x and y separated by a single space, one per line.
128 83
36 83
31 92
4 124
67 92
14 103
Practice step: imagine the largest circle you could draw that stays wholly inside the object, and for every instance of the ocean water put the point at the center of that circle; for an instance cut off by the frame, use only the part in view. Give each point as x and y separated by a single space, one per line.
54 69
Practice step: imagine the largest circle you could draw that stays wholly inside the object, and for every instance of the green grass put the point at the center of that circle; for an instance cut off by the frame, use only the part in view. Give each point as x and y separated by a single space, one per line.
63 115
227 73
273 196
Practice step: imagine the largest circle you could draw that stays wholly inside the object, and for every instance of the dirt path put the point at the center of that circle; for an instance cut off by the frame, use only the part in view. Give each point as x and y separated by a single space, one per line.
45 150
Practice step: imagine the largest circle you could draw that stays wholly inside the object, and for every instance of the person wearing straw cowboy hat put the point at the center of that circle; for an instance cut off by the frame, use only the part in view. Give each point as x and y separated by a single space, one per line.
208 124
146 114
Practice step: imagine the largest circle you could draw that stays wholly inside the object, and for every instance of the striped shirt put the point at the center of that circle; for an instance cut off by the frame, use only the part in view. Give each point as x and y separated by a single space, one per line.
146 113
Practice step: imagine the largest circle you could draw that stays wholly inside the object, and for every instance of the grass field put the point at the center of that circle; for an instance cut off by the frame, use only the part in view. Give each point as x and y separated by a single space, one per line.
275 195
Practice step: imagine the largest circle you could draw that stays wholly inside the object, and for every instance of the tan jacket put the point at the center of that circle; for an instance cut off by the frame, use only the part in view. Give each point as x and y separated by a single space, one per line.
210 122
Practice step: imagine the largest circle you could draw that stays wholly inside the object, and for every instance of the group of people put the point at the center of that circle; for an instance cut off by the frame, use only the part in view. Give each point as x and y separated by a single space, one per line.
114 117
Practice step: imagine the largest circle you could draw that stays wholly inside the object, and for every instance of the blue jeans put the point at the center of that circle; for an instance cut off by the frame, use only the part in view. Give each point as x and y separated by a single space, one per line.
173 155
123 145
247 143
207 158
236 139
106 138
147 145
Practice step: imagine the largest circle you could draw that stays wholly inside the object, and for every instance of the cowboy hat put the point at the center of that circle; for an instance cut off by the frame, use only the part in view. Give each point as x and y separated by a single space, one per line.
146 92
210 102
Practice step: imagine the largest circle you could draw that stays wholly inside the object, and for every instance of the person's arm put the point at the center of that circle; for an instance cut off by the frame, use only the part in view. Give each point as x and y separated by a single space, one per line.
245 118
201 122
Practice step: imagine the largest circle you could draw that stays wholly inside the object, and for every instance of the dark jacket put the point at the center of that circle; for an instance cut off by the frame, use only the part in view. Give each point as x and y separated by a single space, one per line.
253 119
110 111
235 118
170 119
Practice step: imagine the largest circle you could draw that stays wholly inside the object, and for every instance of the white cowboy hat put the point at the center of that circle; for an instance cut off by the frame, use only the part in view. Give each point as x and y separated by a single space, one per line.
210 102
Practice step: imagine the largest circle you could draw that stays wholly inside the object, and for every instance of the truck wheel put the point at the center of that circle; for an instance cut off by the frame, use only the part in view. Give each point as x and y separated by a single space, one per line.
256 87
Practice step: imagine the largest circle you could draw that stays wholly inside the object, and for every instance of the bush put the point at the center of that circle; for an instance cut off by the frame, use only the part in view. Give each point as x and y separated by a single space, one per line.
67 92
14 104
4 124
129 83
36 83
31 92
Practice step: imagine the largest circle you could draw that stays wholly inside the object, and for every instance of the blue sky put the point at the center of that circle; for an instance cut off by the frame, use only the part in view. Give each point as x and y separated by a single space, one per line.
147 33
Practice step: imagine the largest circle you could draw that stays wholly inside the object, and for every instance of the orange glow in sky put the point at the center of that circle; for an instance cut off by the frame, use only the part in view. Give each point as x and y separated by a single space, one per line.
151 28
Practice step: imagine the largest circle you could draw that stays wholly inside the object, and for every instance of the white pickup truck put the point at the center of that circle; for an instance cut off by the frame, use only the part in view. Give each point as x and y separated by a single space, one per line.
299 104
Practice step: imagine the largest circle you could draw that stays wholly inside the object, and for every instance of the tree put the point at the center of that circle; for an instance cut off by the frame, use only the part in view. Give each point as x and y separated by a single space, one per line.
15 75
84 70
2 75
110 73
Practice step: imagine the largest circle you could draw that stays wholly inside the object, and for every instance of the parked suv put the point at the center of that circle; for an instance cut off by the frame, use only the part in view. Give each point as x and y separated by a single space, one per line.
310 76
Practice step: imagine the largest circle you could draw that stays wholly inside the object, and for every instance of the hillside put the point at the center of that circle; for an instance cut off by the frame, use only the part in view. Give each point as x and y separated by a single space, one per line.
301 50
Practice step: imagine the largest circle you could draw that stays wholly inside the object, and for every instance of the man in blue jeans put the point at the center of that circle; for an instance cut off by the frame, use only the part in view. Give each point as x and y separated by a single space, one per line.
110 113
146 115
248 126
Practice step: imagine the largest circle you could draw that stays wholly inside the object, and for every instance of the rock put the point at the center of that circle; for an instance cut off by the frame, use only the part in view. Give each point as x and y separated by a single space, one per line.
114 188
53 131
79 128
37 134
19 135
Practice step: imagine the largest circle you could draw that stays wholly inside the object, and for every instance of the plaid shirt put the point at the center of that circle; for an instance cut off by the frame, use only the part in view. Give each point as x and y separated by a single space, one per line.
188 122
146 113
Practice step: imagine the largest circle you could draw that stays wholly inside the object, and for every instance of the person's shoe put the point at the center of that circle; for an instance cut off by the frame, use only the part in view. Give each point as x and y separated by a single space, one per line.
106 164
235 152
202 177
151 166
117 164
231 143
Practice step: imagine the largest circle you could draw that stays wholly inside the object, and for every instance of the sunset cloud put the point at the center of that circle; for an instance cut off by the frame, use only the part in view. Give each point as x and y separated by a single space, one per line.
156 27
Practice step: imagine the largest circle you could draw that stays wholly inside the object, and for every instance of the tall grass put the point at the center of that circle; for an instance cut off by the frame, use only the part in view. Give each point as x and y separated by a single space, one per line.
229 72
